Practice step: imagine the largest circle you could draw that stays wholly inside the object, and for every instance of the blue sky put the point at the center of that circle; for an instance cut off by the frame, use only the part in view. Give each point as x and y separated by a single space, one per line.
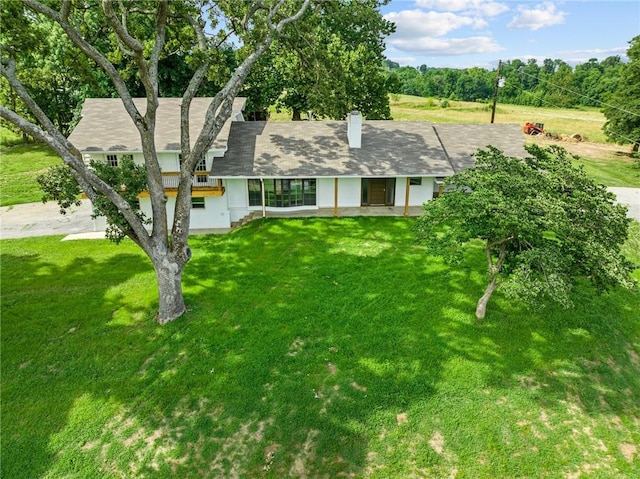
467 33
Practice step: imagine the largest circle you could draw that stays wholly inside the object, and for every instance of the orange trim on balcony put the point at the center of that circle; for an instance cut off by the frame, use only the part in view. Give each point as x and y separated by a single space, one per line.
202 185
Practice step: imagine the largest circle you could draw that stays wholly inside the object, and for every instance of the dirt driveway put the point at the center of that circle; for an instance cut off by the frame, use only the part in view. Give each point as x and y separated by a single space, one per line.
582 148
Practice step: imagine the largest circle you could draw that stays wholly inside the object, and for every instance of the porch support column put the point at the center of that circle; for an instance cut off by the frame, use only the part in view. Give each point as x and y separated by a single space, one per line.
406 197
264 207
335 197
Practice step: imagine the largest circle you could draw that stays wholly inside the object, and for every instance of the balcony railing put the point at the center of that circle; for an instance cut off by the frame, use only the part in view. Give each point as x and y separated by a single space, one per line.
171 181
201 185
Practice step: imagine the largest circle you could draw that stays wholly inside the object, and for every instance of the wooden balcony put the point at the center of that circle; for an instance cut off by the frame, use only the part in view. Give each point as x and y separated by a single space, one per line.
202 185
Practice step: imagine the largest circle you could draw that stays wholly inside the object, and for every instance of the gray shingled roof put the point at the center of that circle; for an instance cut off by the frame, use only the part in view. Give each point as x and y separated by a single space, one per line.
389 148
106 126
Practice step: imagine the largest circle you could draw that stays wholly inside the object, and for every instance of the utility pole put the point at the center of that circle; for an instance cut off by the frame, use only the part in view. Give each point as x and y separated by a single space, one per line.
495 92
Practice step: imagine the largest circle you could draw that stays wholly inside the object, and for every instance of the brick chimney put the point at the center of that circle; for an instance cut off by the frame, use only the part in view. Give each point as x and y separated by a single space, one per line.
354 129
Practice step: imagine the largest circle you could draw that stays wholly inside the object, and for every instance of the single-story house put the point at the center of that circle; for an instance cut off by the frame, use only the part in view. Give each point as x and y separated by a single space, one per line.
268 167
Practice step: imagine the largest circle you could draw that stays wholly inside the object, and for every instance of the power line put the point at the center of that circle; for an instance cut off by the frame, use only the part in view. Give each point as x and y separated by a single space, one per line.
556 106
579 94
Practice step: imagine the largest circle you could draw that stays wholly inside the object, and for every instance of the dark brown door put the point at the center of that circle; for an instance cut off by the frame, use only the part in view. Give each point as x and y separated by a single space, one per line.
377 191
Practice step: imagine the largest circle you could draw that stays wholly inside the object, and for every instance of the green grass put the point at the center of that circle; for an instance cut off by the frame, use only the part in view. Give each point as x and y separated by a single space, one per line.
409 384
19 166
613 170
587 122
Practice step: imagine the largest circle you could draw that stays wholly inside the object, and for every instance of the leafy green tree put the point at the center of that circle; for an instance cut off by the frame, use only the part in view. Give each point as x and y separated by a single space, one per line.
543 222
59 184
623 107
331 67
127 40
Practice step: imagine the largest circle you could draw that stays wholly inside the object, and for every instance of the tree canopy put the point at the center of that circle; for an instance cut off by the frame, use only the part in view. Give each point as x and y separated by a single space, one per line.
553 83
332 65
544 225
127 42
623 106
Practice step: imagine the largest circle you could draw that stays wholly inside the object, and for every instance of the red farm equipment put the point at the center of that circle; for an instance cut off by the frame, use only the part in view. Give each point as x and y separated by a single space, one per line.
533 128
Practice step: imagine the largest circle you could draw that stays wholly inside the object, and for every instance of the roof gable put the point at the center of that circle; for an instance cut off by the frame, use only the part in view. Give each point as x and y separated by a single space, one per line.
106 126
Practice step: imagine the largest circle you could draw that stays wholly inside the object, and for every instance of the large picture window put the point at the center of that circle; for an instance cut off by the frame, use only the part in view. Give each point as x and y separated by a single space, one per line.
283 193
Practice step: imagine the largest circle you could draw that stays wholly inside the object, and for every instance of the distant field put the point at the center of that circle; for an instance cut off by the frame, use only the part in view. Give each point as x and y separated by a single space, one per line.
587 122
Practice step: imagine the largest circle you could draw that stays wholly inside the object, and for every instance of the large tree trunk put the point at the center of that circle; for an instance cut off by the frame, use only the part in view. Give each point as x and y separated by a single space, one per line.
170 298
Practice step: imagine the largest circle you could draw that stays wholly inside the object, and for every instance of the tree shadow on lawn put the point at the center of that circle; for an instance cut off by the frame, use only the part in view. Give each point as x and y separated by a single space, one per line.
306 344
377 330
58 341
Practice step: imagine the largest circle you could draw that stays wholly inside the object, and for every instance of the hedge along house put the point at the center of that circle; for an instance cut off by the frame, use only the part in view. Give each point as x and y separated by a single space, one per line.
301 168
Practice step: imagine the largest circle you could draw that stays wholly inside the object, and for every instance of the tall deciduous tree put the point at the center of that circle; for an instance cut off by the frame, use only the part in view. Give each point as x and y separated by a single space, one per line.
623 107
143 30
544 224
333 65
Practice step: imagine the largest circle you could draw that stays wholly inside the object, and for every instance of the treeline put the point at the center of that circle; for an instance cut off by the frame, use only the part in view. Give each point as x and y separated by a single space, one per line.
553 84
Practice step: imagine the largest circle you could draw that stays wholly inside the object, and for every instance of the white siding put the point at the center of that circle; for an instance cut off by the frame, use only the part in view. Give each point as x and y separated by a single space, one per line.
418 194
215 214
324 192
168 162
348 192
238 198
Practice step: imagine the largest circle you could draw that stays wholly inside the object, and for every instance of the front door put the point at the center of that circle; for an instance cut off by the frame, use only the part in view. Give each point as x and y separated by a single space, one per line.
378 191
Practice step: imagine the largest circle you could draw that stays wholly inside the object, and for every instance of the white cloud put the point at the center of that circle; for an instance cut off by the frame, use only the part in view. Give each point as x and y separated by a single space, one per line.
446 46
533 18
595 52
487 8
416 23
403 61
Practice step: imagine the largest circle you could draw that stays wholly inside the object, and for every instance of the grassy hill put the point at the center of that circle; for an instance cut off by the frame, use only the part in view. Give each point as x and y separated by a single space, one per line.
21 164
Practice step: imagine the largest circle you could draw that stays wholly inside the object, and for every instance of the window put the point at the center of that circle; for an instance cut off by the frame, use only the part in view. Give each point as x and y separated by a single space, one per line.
255 192
283 193
415 181
197 203
112 160
202 179
202 165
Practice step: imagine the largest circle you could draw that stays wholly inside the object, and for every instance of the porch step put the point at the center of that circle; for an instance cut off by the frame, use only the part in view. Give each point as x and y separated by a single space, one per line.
244 220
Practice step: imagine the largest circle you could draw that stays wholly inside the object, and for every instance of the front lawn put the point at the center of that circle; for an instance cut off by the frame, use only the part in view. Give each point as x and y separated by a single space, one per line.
312 348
